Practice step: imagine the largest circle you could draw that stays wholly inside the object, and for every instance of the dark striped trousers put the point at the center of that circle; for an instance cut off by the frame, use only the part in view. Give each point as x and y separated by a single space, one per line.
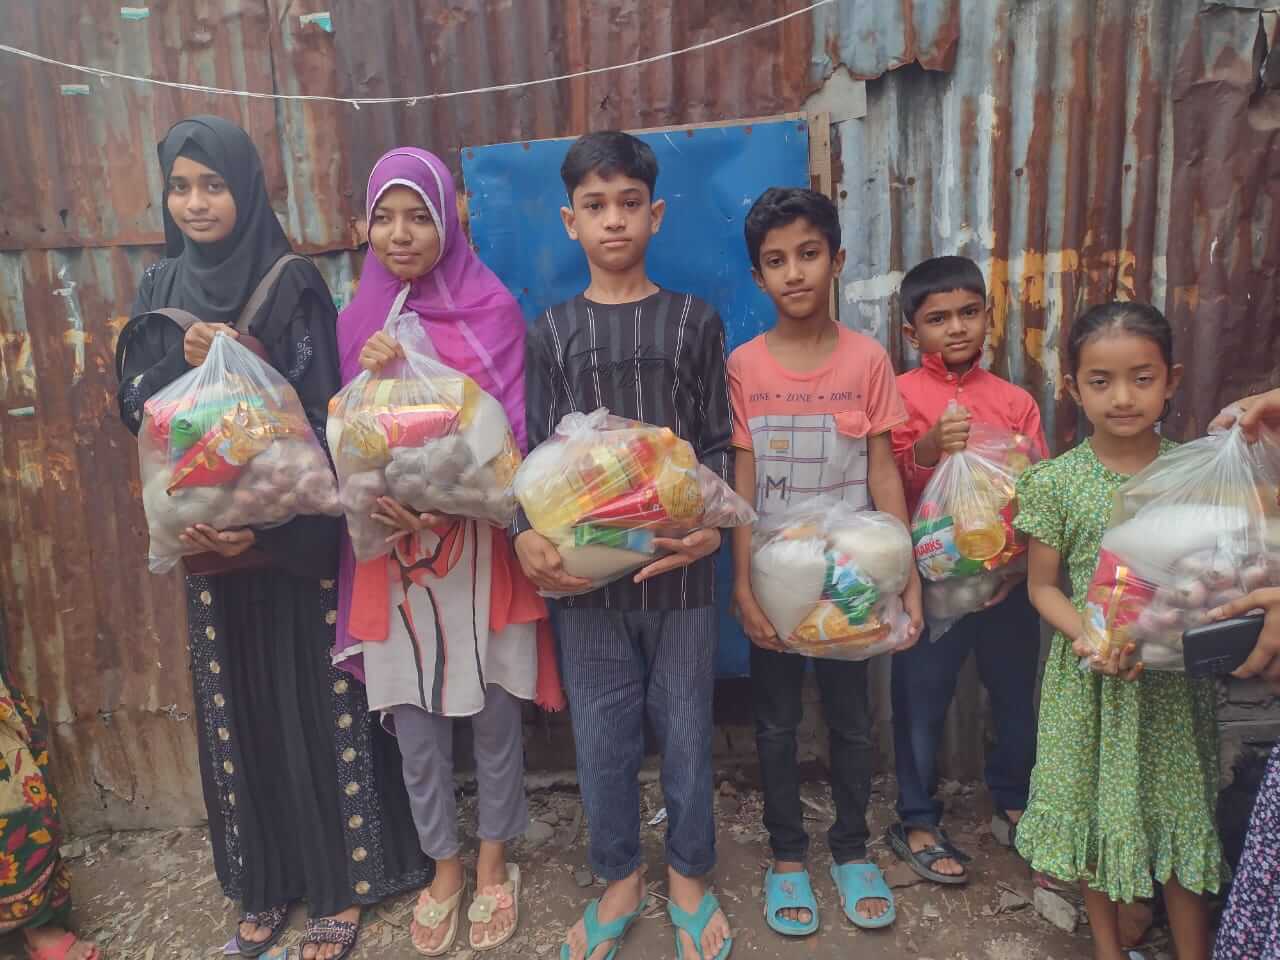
619 668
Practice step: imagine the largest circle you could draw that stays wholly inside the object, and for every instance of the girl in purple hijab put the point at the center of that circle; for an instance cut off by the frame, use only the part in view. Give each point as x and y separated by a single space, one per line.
474 322
446 626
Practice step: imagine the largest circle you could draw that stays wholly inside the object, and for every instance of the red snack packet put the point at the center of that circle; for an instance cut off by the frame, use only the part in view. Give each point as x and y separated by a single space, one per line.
242 433
673 497
1117 596
640 507
370 435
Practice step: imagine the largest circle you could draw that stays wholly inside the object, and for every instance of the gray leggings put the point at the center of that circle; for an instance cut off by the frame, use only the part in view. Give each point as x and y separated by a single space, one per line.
426 744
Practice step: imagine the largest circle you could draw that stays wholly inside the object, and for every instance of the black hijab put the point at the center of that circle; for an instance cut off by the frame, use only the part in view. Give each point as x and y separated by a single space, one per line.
296 322
214 280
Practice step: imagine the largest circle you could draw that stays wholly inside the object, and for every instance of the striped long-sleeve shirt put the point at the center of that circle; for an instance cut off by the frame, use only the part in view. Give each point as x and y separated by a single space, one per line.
660 360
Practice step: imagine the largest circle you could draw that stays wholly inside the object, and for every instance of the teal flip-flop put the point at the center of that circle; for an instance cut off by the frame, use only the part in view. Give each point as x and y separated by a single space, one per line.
789 891
856 882
694 924
598 933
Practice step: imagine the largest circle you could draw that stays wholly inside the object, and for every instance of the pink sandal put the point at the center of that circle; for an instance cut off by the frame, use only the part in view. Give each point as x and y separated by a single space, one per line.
61 951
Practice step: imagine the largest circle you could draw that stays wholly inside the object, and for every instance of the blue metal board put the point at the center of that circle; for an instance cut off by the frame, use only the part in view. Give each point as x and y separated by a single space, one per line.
709 177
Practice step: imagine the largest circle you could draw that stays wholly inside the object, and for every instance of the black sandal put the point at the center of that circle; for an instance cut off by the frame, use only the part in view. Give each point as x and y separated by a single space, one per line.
328 930
273 920
921 861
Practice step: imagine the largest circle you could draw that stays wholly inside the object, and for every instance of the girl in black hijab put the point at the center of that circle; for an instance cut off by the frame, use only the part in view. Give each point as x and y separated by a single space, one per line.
305 796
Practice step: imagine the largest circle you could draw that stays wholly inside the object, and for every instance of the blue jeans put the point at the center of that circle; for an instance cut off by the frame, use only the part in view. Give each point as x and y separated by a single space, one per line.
620 667
1006 642
776 682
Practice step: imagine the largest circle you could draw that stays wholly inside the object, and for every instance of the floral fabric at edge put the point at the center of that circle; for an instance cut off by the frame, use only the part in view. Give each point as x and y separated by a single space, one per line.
1251 926
35 888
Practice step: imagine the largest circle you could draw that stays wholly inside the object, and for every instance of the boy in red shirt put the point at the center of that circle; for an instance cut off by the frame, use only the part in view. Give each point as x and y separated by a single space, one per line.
813 403
944 303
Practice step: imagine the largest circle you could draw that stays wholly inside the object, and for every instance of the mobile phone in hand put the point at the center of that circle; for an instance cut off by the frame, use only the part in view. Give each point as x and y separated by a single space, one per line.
1220 648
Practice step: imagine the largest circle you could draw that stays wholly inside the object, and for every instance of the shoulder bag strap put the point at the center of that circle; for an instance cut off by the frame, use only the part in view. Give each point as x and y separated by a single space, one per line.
184 319
263 290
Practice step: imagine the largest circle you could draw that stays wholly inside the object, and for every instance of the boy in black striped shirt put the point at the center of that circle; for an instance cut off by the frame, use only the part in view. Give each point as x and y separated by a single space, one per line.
645 647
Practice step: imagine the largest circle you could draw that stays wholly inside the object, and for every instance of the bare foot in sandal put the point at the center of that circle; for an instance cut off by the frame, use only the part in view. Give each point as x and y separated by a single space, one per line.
49 941
448 881
924 839
493 898
620 898
872 908
257 928
328 951
793 914
251 932
687 893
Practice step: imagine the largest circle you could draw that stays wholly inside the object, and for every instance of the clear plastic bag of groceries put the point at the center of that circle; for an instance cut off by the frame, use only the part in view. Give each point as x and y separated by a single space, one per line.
1199 527
830 579
227 444
603 488
423 434
947 602
965 542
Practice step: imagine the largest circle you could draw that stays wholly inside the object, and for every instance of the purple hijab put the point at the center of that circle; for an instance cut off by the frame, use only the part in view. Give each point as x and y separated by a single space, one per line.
473 321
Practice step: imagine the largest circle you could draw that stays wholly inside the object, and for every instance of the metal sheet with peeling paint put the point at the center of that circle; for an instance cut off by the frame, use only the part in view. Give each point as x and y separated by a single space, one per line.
94 635
83 173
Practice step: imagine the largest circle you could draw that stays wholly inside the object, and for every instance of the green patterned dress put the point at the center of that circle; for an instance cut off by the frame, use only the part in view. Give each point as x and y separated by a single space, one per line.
1126 778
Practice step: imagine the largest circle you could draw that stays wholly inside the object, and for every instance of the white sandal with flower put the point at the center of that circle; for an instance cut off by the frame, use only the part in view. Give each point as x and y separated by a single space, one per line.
489 901
430 916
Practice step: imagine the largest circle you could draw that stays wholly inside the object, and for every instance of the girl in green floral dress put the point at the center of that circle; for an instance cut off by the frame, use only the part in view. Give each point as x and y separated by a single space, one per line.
1126 775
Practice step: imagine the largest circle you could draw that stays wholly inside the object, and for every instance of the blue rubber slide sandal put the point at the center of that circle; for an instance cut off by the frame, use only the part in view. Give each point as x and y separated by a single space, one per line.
789 891
694 924
856 882
598 933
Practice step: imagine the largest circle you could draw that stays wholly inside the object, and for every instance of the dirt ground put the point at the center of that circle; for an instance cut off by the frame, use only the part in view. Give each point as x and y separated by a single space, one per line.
153 895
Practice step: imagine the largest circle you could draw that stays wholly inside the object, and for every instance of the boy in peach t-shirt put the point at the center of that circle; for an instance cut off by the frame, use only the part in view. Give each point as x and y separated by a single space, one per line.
813 407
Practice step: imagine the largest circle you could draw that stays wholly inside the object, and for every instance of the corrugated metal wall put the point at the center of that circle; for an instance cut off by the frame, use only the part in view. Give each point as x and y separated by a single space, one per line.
1077 148
1082 151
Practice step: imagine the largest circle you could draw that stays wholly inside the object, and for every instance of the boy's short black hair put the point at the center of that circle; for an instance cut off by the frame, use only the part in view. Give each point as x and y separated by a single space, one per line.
608 153
938 275
780 206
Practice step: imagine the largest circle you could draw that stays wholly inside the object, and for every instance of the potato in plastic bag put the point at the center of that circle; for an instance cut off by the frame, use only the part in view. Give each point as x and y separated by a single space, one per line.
947 602
602 488
439 443
963 525
1192 531
830 579
227 444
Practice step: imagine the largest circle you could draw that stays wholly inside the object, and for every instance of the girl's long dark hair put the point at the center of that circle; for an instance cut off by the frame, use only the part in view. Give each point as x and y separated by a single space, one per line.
1139 319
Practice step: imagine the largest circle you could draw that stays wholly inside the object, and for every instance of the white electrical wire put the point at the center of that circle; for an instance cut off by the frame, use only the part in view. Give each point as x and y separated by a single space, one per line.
411 101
